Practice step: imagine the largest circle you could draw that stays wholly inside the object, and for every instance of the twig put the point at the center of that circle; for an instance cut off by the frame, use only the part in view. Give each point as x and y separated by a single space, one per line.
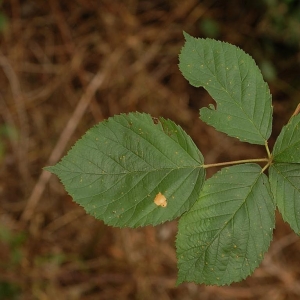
68 131
64 138
22 115
62 25
276 268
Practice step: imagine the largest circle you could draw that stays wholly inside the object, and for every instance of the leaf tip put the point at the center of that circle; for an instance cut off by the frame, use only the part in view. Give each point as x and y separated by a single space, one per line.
186 36
51 169
179 281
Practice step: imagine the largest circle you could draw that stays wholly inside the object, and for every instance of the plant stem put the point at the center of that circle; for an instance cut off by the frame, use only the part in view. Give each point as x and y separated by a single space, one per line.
235 162
266 166
268 150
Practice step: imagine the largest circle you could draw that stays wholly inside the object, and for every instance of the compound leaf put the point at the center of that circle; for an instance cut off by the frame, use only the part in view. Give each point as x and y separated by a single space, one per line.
287 145
224 236
285 185
120 166
231 77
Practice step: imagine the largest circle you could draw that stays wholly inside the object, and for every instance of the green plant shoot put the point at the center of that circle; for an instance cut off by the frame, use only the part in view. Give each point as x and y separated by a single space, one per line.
133 170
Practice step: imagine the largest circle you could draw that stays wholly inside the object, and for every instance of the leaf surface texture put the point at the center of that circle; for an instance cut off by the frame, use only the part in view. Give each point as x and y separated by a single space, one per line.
231 77
285 185
224 236
116 170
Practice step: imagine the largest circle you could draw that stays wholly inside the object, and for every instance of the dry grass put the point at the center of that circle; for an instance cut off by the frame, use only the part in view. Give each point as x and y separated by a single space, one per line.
65 66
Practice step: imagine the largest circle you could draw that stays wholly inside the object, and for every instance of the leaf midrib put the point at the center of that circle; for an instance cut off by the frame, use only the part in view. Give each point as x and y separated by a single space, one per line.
231 219
225 90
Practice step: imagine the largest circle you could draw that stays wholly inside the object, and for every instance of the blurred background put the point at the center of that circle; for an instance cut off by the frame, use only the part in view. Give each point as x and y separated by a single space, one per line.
67 65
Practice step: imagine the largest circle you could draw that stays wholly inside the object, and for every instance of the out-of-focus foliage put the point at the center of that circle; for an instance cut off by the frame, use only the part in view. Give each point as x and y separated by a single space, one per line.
6 132
210 27
283 20
11 243
280 27
3 18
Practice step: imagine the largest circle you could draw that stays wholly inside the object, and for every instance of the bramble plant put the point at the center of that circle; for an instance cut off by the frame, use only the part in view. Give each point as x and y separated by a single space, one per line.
134 170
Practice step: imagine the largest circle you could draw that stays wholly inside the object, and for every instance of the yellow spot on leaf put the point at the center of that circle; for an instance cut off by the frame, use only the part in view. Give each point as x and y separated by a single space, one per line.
160 200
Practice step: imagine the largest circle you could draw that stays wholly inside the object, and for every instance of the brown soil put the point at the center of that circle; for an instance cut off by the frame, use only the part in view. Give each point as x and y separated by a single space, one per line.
67 65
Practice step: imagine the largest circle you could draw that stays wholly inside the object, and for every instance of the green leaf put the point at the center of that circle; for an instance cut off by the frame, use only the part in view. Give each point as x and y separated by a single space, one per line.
224 236
285 185
119 166
231 77
287 145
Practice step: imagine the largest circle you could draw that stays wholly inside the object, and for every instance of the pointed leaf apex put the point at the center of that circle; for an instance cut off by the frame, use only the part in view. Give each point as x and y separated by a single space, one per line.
187 36
133 170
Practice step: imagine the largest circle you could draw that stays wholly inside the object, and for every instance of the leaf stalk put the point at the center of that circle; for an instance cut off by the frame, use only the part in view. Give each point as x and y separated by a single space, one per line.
235 162
268 150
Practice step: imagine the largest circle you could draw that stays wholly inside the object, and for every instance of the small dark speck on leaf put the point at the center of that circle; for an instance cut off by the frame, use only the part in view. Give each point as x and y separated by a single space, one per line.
155 120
